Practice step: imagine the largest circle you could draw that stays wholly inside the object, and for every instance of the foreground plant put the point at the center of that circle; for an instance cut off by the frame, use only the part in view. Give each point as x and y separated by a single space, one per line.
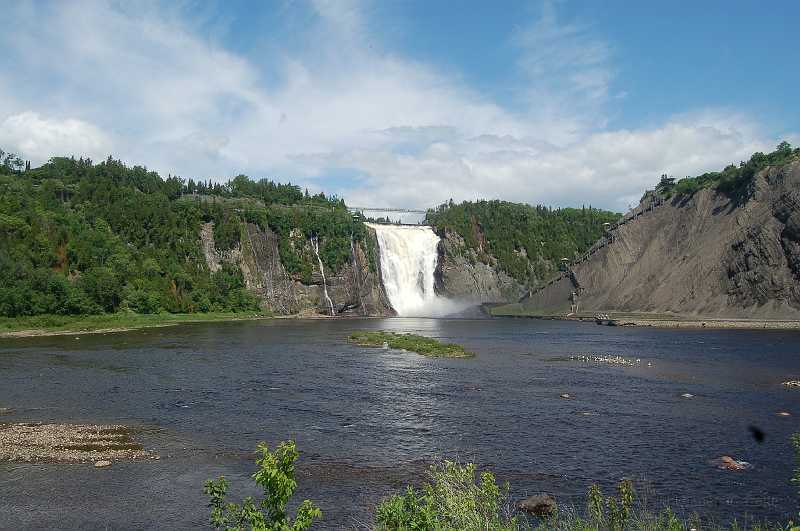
452 500
275 476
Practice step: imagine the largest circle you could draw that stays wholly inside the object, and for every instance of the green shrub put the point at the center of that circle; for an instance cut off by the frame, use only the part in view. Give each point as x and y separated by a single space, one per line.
453 500
275 476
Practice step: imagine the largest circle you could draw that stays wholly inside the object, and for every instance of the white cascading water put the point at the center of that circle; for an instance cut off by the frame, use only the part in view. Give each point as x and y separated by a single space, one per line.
315 246
408 261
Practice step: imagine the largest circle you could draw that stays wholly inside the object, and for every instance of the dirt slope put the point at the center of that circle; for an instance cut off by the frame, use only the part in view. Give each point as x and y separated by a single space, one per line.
705 256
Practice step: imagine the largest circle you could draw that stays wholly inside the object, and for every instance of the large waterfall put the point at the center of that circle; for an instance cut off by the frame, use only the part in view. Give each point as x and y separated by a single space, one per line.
408 261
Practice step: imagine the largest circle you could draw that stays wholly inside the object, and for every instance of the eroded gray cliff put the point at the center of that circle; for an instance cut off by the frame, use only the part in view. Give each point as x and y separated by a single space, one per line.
707 255
355 289
461 275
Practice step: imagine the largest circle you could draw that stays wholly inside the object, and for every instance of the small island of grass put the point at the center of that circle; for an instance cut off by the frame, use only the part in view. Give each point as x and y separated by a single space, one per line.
414 343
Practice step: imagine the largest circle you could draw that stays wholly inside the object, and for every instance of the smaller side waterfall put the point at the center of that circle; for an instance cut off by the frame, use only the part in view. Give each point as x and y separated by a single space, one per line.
315 245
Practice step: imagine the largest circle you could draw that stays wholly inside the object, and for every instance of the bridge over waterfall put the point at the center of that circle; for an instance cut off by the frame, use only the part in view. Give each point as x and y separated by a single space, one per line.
387 213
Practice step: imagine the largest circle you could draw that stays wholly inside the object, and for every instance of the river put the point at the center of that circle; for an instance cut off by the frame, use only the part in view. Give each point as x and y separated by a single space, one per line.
369 421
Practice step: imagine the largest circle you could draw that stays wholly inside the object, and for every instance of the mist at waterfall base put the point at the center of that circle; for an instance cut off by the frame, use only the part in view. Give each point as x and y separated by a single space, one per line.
408 256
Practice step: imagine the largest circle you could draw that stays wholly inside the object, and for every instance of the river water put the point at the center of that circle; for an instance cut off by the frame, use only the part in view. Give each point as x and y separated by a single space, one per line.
369 421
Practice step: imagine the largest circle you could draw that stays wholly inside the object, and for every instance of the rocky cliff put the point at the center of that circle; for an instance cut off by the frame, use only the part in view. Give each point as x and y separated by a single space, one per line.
355 289
461 275
704 255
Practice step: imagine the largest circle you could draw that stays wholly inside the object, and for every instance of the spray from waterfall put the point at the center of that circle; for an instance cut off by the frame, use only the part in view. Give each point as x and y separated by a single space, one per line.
408 262
315 245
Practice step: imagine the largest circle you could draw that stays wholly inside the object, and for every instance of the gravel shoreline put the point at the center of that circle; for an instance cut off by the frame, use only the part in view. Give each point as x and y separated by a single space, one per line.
733 324
68 443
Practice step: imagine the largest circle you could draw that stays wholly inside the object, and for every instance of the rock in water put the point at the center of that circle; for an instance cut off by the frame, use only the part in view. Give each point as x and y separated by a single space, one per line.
102 464
538 505
727 462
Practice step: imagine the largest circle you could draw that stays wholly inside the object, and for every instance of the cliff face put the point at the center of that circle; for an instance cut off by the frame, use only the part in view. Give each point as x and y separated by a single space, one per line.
354 290
461 275
707 255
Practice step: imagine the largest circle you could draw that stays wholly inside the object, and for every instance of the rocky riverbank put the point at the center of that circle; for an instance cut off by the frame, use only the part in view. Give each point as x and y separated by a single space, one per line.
741 324
653 321
69 443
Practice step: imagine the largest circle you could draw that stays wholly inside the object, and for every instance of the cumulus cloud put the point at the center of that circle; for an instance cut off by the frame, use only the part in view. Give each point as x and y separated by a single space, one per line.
340 112
39 138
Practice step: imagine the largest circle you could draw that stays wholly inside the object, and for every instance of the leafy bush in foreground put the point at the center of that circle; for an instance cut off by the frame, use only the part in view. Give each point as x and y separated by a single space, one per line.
276 476
453 500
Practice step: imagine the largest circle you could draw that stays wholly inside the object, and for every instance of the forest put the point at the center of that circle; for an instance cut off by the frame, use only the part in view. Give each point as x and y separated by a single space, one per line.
79 238
527 241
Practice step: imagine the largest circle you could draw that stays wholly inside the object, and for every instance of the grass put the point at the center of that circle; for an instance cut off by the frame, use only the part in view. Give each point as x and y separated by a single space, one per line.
59 324
414 343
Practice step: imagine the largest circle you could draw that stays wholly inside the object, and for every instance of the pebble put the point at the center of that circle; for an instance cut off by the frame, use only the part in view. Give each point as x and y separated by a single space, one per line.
102 464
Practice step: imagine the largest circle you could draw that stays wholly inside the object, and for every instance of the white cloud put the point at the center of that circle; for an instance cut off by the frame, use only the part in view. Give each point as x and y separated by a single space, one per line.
413 135
39 138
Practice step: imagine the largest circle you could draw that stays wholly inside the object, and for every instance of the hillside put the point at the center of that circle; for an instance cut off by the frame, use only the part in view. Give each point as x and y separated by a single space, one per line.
725 244
84 238
495 250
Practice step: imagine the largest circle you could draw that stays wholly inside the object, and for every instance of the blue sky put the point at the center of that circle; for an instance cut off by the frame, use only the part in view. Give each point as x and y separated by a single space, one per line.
406 103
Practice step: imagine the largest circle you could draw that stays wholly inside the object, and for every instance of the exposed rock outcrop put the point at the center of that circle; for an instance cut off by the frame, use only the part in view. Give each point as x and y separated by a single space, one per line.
355 289
461 275
538 505
706 255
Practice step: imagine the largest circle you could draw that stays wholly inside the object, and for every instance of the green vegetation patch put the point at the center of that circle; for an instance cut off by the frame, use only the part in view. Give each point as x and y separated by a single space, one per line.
527 241
419 344
734 181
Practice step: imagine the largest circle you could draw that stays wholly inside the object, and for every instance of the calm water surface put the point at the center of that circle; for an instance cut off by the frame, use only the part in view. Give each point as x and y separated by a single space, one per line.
369 421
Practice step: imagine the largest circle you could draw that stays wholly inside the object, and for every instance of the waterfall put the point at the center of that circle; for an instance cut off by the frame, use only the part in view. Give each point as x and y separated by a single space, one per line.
408 261
315 245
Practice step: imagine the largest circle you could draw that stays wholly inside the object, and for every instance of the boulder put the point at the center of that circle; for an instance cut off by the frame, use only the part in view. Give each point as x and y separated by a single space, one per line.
727 462
538 505
102 464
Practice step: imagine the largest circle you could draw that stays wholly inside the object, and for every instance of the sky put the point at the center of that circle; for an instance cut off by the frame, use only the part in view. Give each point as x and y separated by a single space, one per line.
406 103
